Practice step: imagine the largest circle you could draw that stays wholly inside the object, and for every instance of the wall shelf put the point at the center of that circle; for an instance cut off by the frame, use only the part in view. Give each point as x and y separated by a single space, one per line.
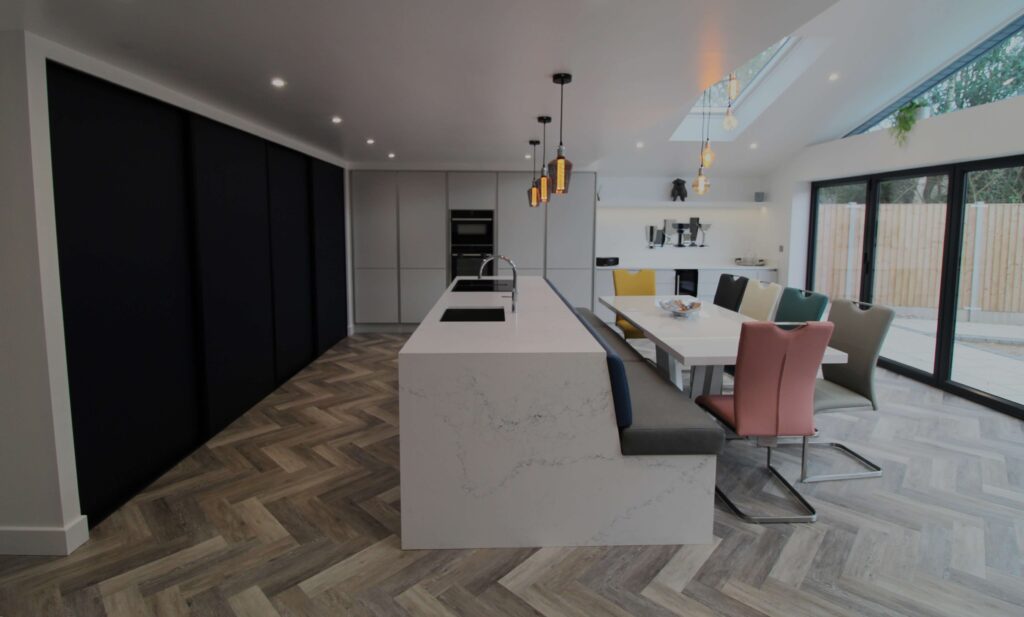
676 205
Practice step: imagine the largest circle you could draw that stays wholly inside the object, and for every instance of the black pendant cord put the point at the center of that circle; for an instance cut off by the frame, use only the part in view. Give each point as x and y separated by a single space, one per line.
561 113
533 169
544 148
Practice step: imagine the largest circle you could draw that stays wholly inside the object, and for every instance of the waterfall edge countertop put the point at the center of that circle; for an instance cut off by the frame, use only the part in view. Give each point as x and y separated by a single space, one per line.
542 323
508 438
725 267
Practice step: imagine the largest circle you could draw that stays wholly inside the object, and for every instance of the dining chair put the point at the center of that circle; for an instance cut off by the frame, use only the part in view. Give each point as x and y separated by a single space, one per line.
760 300
639 283
776 370
798 306
860 331
729 293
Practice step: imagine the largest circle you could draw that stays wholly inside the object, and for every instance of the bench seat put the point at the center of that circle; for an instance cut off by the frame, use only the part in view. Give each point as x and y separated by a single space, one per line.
663 420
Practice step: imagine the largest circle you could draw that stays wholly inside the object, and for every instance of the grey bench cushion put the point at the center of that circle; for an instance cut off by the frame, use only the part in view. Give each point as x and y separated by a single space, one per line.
616 342
665 421
829 396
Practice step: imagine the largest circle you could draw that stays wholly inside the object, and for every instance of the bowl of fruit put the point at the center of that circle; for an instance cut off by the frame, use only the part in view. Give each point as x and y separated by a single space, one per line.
680 308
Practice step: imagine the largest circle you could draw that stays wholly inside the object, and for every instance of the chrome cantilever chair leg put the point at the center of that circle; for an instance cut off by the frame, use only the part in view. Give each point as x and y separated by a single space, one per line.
810 516
873 470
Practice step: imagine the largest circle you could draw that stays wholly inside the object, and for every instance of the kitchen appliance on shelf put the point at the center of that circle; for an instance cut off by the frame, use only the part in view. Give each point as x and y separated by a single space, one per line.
471 240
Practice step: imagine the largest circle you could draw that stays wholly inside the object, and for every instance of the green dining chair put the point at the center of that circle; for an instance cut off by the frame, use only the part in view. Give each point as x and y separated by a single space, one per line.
799 306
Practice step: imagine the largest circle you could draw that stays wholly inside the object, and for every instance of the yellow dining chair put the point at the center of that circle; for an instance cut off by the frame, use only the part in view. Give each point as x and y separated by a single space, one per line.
639 283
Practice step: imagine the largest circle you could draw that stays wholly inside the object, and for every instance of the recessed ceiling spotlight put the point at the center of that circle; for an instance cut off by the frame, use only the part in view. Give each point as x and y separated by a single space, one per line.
833 76
277 82
370 141
527 156
639 145
753 146
391 155
336 119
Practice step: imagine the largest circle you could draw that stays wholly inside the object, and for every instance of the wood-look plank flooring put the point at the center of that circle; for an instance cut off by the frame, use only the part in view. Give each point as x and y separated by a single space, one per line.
294 510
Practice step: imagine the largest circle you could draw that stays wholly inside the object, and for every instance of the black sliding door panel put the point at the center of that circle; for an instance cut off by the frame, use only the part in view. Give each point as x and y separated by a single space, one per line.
328 188
123 235
229 180
291 258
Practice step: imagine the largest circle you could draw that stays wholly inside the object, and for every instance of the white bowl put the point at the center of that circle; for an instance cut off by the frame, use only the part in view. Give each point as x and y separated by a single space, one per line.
680 308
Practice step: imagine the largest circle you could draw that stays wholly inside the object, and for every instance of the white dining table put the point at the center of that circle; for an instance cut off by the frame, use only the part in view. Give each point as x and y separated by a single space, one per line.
706 342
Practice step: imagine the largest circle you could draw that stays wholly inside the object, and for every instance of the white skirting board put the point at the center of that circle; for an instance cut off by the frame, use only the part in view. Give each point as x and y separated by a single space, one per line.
44 540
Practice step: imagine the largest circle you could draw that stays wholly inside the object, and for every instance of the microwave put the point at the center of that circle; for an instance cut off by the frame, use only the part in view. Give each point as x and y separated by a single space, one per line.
472 228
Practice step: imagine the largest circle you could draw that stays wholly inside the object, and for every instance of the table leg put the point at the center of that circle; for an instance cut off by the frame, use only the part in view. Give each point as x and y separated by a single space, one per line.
705 380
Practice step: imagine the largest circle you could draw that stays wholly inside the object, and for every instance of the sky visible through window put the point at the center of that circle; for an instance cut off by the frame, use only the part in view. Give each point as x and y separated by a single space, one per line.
746 75
996 75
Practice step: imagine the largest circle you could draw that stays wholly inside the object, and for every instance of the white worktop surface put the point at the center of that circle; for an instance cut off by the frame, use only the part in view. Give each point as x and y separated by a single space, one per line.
542 323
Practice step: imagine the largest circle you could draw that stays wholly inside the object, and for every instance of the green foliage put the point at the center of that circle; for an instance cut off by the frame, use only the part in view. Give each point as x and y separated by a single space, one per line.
903 121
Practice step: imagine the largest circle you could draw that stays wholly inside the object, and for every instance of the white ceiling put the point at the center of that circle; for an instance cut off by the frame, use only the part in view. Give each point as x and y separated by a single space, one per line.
443 83
459 83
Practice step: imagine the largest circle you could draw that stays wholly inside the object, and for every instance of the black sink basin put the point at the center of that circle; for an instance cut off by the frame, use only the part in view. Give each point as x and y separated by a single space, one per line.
474 314
482 285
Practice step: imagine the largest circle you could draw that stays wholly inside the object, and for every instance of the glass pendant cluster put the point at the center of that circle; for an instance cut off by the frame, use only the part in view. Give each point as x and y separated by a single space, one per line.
556 174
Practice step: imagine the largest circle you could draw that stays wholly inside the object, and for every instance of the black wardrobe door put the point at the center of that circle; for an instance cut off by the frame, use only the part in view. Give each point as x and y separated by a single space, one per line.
291 250
124 245
229 178
328 186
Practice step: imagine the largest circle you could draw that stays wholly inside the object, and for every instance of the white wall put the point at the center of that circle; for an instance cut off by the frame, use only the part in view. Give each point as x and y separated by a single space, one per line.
737 225
988 131
39 508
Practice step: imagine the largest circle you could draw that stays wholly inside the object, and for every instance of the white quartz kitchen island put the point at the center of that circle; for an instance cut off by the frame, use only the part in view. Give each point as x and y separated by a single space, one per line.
508 438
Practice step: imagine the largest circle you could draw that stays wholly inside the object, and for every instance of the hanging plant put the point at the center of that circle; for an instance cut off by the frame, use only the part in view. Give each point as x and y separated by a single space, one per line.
905 119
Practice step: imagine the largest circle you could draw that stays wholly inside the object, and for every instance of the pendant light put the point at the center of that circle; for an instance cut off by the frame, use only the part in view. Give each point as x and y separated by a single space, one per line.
544 182
534 192
701 184
707 155
732 88
560 167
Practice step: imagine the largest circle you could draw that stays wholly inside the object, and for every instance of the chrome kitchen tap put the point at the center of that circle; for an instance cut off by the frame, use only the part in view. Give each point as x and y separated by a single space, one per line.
515 276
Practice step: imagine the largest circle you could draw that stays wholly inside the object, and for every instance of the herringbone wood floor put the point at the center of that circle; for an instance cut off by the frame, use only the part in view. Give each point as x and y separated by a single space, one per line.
293 510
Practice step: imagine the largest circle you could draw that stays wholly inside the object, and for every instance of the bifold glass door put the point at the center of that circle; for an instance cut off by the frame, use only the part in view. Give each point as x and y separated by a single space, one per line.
906 272
988 339
943 247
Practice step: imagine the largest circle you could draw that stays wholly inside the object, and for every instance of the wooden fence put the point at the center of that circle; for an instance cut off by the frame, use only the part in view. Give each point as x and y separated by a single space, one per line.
908 258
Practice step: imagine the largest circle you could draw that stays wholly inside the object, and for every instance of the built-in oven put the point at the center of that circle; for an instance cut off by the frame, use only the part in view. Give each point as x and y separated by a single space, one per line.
466 260
472 228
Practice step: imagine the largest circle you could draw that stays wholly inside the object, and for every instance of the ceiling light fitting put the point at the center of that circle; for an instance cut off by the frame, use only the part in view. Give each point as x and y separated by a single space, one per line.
370 141
701 183
336 119
277 82
560 167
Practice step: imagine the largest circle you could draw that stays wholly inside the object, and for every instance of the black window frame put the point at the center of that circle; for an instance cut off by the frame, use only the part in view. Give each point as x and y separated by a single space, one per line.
941 375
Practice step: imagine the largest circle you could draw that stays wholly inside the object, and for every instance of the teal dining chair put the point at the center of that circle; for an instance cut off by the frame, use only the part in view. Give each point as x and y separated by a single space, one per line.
799 306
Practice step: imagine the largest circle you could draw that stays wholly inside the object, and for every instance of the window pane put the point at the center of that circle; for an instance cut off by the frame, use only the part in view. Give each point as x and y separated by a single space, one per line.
988 344
839 240
746 74
995 75
908 264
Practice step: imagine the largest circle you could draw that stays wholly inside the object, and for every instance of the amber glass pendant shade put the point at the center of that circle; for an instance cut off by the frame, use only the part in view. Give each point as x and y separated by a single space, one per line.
707 155
560 170
544 184
534 195
701 184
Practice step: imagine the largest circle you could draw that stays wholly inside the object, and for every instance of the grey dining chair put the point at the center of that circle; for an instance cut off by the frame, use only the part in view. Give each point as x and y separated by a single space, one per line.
860 331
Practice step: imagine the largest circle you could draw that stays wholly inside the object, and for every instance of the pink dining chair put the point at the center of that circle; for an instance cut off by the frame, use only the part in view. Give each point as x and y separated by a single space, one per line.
773 397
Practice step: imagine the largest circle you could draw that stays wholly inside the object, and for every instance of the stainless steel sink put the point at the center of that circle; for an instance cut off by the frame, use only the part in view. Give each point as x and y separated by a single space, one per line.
482 285
474 314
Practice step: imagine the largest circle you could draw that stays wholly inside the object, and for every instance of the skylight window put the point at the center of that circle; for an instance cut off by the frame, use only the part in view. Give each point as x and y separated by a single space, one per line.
991 72
748 75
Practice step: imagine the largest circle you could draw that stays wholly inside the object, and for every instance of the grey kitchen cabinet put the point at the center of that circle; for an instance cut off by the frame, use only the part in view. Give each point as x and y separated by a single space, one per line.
604 285
570 225
420 290
472 190
576 284
374 200
376 295
520 228
422 220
